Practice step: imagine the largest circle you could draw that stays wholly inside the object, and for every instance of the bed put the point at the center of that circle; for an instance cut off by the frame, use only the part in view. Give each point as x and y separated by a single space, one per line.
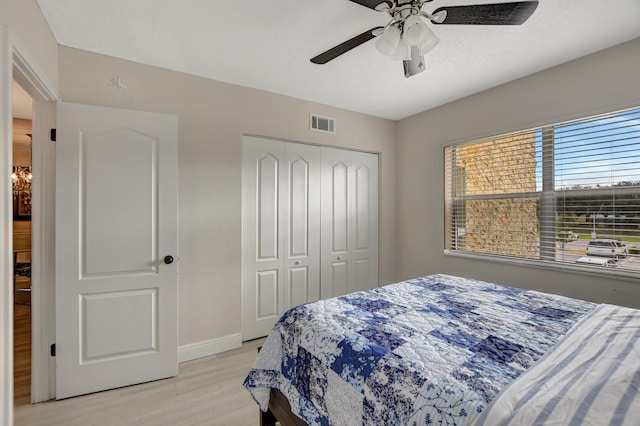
448 350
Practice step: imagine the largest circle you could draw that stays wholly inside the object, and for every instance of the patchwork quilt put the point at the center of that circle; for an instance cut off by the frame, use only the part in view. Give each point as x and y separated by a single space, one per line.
433 350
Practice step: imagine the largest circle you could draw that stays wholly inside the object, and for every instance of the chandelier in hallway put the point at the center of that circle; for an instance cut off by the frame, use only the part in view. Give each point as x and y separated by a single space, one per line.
21 178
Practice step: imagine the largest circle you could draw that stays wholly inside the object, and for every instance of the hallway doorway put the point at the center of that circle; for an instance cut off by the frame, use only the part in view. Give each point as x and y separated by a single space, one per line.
22 107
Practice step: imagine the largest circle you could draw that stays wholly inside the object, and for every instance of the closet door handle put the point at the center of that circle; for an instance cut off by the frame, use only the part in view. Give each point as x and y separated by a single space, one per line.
297 262
168 260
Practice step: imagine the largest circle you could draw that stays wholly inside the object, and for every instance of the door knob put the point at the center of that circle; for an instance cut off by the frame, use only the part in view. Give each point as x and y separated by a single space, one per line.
297 262
168 260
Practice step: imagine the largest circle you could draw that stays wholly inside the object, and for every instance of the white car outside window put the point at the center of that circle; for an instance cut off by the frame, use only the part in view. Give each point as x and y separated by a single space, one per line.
607 248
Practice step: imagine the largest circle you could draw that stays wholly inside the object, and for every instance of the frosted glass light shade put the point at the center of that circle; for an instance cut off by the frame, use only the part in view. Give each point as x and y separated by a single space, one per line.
402 52
414 30
388 41
429 40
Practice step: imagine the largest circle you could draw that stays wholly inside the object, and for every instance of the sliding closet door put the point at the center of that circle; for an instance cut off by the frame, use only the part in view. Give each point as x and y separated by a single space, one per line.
349 220
281 230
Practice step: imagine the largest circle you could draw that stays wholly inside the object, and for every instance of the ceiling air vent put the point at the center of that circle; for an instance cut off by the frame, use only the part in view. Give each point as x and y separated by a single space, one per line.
323 124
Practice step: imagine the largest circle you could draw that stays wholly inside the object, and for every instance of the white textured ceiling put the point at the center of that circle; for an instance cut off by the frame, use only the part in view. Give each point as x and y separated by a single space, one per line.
267 45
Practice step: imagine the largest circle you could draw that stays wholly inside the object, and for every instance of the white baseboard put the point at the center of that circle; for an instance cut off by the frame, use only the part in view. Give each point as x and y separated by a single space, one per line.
204 348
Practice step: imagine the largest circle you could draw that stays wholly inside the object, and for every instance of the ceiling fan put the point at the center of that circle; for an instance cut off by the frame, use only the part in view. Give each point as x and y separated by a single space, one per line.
407 36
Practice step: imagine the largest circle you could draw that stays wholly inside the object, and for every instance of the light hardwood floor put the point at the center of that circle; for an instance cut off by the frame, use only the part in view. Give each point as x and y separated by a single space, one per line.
22 349
207 391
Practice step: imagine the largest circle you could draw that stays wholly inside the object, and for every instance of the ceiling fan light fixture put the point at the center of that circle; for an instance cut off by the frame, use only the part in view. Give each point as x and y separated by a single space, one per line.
402 51
388 42
429 41
383 6
399 37
414 30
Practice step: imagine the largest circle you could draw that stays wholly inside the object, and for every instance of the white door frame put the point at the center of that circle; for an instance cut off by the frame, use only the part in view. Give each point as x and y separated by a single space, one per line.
16 63
6 248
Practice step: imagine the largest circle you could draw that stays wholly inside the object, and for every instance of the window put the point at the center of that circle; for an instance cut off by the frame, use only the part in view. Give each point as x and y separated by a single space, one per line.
545 193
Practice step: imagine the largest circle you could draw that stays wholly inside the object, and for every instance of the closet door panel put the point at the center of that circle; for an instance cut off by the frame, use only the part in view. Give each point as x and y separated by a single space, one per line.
364 249
338 224
349 222
362 275
339 278
300 186
298 286
267 293
281 230
299 208
362 208
262 244
267 206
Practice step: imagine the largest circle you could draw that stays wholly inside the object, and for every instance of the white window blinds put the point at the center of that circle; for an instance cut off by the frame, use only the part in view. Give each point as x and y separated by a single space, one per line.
557 194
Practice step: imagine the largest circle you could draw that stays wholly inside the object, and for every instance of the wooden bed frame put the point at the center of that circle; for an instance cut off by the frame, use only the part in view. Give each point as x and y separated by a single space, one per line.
279 411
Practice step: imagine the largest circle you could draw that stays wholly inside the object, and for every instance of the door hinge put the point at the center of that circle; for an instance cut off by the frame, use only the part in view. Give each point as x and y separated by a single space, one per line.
52 135
53 350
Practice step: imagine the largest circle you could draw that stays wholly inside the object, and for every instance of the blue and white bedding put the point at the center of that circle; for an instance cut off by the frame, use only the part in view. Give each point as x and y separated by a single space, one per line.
433 350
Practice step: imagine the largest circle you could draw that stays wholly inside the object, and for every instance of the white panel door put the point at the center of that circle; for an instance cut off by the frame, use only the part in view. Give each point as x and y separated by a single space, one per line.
301 186
349 259
281 230
116 220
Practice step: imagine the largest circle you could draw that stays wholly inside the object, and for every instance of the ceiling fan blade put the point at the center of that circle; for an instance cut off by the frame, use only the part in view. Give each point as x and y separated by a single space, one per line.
514 13
373 4
338 50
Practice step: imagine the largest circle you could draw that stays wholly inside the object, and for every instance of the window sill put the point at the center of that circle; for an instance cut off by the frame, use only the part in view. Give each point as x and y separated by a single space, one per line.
612 273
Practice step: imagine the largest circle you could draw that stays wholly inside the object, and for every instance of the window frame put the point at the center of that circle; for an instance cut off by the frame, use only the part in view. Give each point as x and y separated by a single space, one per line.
547 197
